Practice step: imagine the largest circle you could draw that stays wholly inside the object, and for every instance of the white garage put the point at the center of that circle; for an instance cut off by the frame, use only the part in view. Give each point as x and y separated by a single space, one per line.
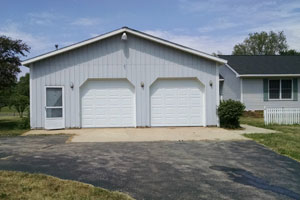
124 78
108 103
177 102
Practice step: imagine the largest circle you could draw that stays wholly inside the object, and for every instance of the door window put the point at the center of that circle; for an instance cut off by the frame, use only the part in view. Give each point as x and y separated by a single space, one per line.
54 103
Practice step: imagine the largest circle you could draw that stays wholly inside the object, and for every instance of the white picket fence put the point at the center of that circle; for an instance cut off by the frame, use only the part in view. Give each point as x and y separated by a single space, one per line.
282 116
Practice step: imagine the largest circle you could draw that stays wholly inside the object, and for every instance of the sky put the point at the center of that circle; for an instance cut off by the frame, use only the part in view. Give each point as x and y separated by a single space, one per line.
212 26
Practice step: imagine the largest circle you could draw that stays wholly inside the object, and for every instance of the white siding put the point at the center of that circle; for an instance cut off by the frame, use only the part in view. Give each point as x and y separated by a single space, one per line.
137 59
231 85
253 96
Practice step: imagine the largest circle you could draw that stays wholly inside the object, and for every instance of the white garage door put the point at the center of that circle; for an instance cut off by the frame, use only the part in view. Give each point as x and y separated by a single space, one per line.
177 103
107 103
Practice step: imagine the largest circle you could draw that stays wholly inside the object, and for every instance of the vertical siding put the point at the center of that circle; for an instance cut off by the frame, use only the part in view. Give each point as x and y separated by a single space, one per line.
137 60
253 96
231 86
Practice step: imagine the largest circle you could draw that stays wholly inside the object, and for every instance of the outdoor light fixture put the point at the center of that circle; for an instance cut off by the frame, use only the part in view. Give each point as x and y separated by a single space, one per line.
124 37
210 83
142 84
71 85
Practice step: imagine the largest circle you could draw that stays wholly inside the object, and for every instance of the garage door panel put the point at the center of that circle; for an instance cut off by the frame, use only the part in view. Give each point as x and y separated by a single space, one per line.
156 101
196 111
125 102
108 103
157 111
182 111
177 103
99 121
99 111
88 122
195 101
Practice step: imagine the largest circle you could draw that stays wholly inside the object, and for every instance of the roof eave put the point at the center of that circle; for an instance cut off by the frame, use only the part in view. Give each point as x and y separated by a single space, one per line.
267 75
177 46
124 29
71 47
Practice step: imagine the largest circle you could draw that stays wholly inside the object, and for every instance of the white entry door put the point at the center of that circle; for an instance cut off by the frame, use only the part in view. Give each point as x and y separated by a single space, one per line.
108 103
177 102
54 108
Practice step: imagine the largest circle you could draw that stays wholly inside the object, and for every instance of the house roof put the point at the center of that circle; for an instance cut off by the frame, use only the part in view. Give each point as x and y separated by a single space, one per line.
119 31
263 65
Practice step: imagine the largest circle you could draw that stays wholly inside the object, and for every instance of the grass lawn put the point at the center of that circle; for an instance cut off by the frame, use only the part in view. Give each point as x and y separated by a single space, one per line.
19 185
9 126
287 142
6 109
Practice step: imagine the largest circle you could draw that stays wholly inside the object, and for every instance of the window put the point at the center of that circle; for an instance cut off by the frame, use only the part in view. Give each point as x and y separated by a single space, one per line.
280 89
286 89
274 89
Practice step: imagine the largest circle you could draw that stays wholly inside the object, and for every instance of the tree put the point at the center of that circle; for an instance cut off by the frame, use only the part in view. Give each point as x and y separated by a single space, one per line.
10 53
22 86
20 96
216 54
262 43
4 97
291 52
19 102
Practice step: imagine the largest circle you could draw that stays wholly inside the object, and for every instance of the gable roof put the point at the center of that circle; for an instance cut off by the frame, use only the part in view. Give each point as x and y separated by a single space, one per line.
119 31
264 65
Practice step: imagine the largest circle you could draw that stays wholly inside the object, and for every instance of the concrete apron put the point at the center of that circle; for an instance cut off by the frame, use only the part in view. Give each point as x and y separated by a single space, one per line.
152 134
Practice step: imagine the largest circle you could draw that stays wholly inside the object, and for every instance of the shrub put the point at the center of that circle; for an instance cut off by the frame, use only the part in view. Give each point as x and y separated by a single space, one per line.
25 122
229 112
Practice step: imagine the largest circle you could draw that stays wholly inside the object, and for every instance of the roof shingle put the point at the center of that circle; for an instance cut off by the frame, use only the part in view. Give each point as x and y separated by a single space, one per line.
263 64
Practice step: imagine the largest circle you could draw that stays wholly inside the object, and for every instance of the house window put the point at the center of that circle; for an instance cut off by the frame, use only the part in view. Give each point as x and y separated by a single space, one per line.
286 89
274 89
280 89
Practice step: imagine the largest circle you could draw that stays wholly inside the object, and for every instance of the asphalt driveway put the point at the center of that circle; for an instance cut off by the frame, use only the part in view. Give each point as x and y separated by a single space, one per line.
160 170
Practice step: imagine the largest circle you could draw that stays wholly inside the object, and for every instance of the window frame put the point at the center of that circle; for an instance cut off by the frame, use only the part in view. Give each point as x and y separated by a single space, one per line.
280 90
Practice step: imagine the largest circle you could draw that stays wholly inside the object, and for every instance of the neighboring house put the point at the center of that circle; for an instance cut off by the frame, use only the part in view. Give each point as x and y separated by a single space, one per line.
261 81
124 78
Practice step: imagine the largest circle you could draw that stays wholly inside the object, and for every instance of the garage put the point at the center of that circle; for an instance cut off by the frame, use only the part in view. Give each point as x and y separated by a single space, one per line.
124 78
107 103
177 102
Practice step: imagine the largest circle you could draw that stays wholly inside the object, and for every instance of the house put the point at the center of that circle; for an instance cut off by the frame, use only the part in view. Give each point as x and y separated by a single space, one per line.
261 81
124 78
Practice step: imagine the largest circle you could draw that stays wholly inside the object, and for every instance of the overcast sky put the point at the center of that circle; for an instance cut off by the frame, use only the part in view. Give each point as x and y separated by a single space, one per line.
208 25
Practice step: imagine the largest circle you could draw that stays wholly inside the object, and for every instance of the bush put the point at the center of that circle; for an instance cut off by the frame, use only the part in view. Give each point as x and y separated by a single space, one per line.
25 122
229 112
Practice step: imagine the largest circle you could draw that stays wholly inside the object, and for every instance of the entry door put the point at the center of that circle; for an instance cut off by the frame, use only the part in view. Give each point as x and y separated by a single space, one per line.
54 108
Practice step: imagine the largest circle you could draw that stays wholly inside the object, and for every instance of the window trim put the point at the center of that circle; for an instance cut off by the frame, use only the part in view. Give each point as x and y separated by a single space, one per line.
280 90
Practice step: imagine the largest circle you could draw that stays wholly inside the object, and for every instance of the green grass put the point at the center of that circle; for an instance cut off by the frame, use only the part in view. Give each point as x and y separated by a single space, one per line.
8 110
19 185
285 142
9 126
